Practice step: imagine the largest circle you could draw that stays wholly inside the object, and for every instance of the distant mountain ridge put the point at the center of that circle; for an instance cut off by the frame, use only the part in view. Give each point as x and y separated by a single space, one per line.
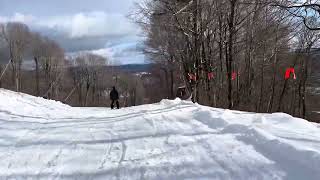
134 67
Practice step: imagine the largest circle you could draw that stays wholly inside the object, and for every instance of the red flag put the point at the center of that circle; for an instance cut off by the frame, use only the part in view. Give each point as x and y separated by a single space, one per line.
210 75
288 73
234 76
192 77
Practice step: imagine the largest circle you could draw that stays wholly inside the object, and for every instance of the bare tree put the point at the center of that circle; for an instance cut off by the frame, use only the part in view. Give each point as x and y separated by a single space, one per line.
307 39
52 64
38 43
17 37
306 11
86 75
243 43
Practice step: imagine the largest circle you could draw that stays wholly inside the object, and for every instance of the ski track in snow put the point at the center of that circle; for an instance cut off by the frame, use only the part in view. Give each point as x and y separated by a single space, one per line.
42 139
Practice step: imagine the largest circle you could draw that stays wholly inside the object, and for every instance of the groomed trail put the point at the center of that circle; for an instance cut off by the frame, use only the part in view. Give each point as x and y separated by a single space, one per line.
170 140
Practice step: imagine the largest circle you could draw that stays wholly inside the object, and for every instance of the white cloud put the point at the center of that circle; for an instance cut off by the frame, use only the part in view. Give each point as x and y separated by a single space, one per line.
18 17
83 32
123 53
104 52
80 25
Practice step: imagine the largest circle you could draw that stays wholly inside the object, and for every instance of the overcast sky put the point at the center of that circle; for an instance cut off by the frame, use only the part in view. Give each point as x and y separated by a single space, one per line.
100 26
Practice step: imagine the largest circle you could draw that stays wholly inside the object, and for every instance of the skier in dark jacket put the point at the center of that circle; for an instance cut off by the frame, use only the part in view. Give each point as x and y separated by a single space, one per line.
114 97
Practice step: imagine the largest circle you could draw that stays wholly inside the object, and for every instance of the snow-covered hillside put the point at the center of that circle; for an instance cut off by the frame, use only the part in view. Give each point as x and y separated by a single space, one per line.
171 140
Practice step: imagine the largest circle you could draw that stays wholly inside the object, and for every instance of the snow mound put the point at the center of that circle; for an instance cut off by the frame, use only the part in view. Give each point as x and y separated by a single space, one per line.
42 139
23 105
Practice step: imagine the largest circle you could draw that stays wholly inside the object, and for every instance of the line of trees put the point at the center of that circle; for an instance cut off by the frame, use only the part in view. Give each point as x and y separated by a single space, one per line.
80 80
246 44
19 43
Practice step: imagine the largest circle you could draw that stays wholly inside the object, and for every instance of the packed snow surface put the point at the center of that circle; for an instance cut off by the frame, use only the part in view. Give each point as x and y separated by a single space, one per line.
170 140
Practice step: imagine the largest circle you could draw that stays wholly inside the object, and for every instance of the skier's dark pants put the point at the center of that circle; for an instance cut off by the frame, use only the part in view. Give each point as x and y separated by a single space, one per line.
117 103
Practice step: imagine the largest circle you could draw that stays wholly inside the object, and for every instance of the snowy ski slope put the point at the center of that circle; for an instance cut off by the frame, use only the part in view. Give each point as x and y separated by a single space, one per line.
171 140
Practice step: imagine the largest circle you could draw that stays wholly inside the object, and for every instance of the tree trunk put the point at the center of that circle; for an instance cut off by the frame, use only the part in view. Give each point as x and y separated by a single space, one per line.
258 109
17 75
1 69
196 49
37 76
172 84
282 95
273 83
304 92
86 95
230 51
293 102
13 75
94 92
80 94
220 58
